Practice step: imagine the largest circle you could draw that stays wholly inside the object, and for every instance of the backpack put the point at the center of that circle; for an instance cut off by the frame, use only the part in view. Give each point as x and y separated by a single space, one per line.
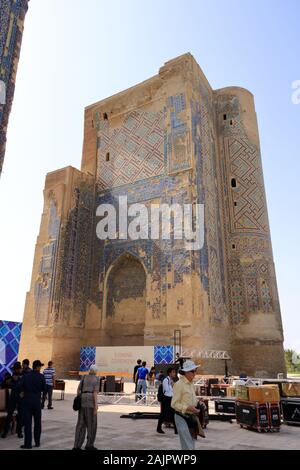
160 393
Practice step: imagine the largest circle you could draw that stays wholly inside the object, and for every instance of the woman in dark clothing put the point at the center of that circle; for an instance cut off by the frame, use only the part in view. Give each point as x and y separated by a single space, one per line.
166 412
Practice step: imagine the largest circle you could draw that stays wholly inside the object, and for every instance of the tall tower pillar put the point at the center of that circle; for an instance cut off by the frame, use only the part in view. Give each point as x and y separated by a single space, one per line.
253 296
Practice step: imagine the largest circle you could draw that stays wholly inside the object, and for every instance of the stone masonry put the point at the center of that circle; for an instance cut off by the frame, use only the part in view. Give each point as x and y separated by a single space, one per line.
171 139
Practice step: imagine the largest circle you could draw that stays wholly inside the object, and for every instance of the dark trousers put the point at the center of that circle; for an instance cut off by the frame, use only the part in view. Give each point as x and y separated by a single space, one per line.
135 390
166 413
48 393
32 409
13 405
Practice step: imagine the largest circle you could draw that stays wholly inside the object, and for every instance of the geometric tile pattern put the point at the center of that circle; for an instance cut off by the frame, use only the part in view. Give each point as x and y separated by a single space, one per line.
163 354
178 140
266 296
247 221
237 299
11 29
250 212
87 358
208 191
10 334
134 151
43 286
252 295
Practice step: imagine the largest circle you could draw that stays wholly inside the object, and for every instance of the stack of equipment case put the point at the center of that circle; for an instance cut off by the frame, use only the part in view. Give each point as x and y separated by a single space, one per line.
219 390
225 406
252 415
290 408
258 416
274 416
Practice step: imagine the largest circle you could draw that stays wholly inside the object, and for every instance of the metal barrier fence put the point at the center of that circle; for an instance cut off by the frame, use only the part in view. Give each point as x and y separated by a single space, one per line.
122 398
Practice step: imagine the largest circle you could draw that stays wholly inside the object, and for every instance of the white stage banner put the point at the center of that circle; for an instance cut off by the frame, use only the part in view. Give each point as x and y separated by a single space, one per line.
120 360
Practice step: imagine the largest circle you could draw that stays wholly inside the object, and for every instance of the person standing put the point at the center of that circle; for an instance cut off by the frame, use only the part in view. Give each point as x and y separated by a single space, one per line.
49 374
166 412
185 404
152 376
25 367
32 386
159 378
88 388
142 376
179 360
136 367
14 402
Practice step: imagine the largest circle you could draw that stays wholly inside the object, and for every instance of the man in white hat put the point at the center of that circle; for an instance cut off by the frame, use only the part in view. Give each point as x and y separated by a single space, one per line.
185 403
87 415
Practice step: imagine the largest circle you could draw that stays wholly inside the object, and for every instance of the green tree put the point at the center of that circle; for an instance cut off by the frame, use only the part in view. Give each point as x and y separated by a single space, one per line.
291 366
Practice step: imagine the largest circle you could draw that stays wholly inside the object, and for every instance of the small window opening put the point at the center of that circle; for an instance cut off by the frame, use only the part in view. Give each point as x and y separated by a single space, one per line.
224 117
105 117
231 122
235 203
107 157
233 246
233 183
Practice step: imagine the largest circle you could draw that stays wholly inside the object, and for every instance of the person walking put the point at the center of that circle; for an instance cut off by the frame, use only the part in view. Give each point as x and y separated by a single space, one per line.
88 388
166 412
32 385
136 367
14 402
49 374
185 404
142 376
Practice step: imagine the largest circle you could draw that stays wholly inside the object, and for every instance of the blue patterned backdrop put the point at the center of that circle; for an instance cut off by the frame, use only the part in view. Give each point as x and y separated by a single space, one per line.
163 354
10 335
87 358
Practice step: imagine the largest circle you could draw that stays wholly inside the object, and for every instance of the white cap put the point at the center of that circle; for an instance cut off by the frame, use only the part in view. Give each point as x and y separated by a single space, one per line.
188 366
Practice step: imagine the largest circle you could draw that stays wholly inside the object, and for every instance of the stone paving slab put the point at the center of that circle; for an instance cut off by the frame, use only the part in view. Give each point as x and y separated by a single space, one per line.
115 433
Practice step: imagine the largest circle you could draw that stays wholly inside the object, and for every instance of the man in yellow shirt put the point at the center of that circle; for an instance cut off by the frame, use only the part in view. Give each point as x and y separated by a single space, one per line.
185 403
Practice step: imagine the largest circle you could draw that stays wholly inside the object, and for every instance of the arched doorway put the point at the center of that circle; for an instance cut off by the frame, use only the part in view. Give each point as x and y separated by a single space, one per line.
126 302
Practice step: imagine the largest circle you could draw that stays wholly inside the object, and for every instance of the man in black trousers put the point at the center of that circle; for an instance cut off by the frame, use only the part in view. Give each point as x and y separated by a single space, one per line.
136 367
32 386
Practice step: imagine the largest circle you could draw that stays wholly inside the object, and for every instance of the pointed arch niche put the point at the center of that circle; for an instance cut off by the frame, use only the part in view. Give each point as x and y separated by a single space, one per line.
124 308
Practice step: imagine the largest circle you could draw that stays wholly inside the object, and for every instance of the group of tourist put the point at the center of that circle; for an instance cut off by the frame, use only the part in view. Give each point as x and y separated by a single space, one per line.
28 390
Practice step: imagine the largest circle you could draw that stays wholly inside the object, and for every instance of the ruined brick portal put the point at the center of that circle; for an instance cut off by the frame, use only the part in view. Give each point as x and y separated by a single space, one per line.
124 318
169 140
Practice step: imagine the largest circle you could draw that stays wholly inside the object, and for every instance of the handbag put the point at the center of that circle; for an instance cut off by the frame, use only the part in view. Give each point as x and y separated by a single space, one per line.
77 399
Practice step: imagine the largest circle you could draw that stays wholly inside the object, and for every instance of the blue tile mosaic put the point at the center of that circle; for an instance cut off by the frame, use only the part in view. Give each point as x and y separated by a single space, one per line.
10 335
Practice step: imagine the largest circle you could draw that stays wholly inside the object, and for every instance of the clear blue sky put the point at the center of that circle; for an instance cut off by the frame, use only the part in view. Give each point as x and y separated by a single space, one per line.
77 52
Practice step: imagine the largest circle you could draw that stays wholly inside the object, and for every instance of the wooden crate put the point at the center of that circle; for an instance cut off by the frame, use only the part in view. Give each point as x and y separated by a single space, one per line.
231 391
241 392
291 389
264 393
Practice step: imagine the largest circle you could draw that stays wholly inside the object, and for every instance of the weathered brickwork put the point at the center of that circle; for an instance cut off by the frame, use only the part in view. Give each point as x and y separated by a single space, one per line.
11 30
171 139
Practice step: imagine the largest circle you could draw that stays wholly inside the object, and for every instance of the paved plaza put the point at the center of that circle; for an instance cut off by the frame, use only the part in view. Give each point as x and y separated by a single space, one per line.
115 433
